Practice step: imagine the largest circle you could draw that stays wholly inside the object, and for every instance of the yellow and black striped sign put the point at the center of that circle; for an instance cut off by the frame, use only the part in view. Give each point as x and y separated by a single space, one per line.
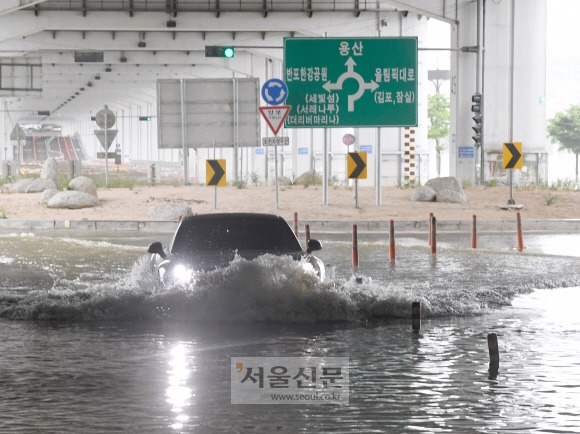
215 172
512 155
356 165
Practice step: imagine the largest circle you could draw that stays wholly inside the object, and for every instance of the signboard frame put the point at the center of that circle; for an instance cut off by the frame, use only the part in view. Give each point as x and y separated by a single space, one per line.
208 113
351 82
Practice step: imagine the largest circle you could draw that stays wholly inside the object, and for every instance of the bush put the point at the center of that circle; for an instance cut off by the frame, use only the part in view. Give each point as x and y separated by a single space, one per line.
551 199
239 184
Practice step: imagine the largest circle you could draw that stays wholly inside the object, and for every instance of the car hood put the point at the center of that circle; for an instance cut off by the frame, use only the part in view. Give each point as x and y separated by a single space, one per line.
212 259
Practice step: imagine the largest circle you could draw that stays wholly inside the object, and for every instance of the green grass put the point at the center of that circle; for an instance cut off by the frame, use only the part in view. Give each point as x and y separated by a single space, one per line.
114 182
551 199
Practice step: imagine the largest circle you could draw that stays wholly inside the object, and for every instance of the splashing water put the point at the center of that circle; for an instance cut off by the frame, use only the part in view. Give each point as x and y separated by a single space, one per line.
73 280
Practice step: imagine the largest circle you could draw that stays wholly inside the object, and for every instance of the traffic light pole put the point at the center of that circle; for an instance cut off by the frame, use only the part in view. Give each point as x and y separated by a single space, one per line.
479 76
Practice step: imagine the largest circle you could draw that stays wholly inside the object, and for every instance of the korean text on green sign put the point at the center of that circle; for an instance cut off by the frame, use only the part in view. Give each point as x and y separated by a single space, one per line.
351 82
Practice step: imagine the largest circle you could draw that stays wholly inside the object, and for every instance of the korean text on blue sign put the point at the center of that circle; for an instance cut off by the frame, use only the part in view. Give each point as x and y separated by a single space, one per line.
466 152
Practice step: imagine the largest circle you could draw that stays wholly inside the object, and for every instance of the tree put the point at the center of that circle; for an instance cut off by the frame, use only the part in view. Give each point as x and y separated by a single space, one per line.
439 118
564 129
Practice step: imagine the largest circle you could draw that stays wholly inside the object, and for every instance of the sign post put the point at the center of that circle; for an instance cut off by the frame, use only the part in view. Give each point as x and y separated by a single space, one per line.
17 134
356 168
105 119
275 92
351 82
215 174
512 159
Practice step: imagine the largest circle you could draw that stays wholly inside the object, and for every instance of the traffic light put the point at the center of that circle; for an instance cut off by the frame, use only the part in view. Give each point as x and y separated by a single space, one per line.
477 110
144 118
215 51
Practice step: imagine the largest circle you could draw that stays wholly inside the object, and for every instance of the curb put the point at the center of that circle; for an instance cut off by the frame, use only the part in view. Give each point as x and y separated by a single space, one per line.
319 226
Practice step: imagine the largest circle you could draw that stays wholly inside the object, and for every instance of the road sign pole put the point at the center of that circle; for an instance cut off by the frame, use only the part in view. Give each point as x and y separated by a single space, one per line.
276 173
106 153
356 193
378 190
511 201
19 156
325 170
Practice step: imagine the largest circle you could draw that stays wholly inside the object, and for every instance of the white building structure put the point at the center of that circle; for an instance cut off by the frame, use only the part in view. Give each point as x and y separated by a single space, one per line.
49 75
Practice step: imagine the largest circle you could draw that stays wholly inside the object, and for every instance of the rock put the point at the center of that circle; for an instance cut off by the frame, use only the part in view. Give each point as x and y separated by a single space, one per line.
309 178
47 194
447 183
168 212
31 185
450 196
50 171
83 184
20 186
72 200
424 194
38 185
284 180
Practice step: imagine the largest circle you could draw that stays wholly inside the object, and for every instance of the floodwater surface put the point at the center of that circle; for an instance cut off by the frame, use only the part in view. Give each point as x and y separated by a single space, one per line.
91 344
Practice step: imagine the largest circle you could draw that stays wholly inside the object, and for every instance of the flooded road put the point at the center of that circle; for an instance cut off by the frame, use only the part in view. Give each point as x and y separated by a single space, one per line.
90 344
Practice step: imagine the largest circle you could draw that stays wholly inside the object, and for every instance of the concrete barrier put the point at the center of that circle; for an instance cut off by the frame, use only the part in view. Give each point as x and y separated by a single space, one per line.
318 226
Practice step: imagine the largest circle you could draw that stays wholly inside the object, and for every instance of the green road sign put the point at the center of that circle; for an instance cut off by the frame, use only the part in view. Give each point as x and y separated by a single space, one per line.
351 82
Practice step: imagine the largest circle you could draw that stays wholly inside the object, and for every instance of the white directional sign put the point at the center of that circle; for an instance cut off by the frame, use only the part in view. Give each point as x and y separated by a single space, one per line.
275 141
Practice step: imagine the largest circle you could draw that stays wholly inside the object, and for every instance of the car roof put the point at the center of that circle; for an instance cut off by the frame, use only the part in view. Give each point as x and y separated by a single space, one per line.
234 231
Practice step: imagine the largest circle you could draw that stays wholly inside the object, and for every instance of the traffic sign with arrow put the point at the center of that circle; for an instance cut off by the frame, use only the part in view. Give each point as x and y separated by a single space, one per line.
215 171
356 165
512 155
274 91
351 82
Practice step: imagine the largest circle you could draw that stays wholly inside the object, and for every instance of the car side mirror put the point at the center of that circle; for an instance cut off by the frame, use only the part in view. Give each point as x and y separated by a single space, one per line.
313 245
156 248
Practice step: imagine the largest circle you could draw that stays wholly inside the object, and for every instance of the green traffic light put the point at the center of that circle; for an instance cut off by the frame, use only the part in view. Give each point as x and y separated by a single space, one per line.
228 52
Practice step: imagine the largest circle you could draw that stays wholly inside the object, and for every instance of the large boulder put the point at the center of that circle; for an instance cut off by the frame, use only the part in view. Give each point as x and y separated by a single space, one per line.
72 200
450 196
47 195
83 184
168 212
444 186
50 171
424 194
446 189
309 178
32 185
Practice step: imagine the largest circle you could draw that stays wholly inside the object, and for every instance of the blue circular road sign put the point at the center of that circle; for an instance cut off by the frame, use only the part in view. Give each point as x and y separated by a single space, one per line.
274 91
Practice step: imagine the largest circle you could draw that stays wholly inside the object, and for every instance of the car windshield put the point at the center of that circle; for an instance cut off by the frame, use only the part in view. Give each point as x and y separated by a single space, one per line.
234 232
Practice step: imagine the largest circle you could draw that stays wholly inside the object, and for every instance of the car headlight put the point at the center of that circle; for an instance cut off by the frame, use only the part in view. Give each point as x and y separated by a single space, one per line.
178 274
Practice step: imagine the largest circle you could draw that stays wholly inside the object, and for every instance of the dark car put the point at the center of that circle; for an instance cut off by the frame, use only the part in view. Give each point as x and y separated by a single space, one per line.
210 241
